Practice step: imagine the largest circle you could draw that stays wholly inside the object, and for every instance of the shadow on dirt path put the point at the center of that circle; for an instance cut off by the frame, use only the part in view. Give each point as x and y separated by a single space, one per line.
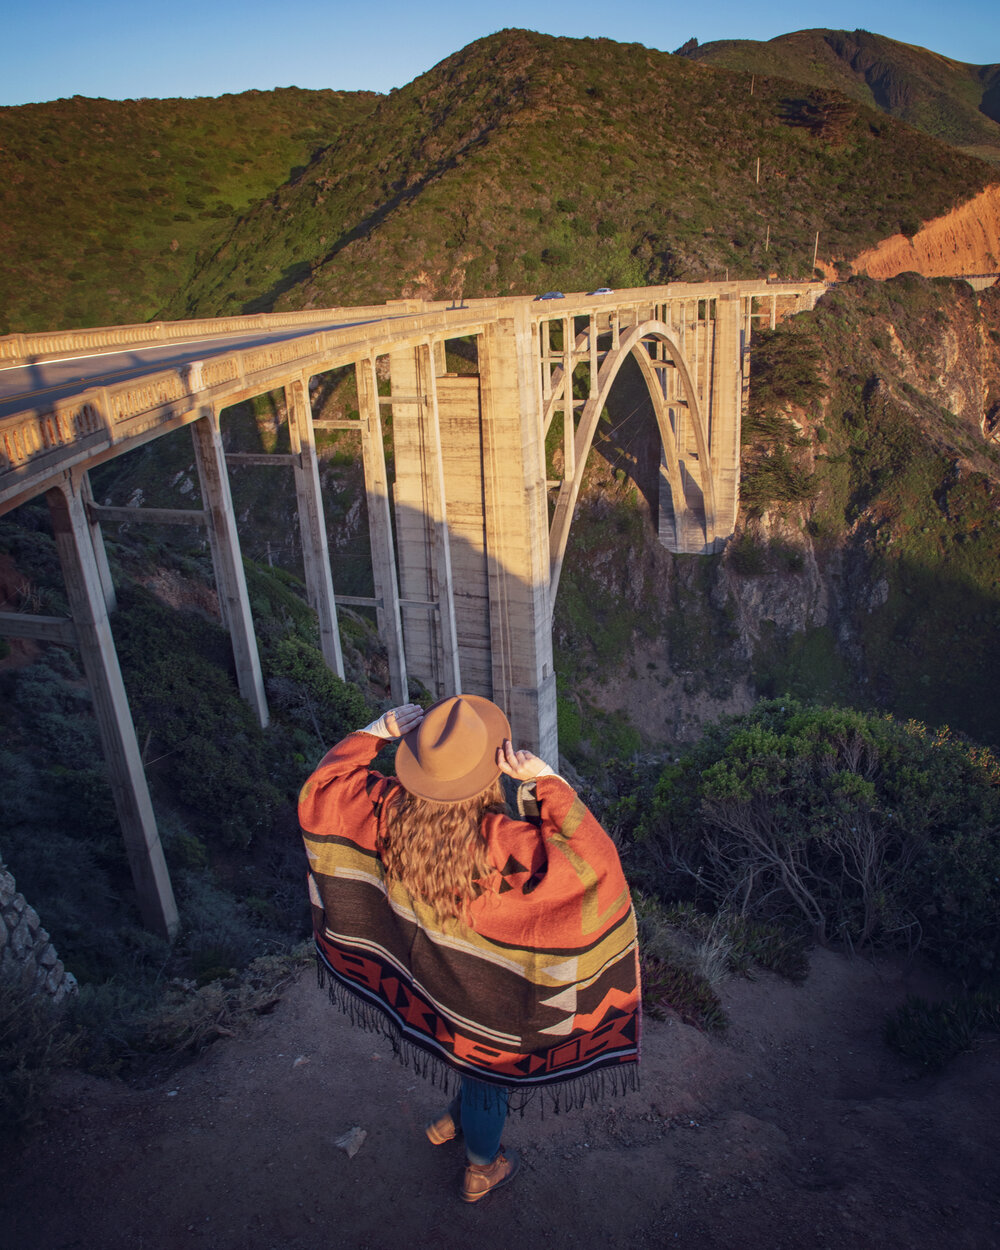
797 1129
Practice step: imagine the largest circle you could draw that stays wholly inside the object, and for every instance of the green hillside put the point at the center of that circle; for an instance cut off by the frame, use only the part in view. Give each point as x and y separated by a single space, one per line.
522 162
525 162
948 99
104 203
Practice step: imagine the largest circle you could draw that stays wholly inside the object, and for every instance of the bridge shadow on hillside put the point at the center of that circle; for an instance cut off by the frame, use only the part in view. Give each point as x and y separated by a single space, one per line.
291 276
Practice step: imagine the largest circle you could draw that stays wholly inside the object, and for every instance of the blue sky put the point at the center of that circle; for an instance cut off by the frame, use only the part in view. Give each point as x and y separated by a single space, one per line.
206 47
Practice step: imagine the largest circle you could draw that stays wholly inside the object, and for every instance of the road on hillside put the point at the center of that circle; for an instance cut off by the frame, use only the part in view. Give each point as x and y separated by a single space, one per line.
27 386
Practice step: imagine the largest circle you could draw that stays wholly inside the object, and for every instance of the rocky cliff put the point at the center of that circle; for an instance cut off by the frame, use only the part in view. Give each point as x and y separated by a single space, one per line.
964 240
865 569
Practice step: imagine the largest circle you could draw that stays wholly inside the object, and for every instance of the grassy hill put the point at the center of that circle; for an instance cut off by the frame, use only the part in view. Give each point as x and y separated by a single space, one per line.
104 203
948 99
522 162
525 162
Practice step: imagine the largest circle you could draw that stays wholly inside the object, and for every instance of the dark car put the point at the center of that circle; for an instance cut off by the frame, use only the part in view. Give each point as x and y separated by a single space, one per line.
551 295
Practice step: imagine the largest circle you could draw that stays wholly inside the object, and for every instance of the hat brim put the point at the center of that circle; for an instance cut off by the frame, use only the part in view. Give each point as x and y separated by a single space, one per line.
483 773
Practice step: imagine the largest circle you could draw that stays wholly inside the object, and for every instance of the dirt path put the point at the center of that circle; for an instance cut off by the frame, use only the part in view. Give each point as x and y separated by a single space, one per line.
798 1129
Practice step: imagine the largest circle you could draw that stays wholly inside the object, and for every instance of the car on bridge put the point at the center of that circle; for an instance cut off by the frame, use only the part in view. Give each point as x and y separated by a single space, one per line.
601 290
551 295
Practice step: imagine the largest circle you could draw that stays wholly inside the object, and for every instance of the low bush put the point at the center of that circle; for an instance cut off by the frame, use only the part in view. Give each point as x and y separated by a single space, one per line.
686 954
191 1017
854 828
932 1034
34 1045
669 985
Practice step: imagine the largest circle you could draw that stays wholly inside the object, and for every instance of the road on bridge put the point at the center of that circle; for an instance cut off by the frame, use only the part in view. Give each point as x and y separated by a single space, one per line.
21 386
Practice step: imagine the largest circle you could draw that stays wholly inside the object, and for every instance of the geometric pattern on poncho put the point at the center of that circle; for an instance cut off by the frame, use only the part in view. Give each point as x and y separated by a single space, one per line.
541 989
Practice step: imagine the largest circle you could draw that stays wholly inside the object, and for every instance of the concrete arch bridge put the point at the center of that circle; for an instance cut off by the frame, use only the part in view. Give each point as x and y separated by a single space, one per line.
469 535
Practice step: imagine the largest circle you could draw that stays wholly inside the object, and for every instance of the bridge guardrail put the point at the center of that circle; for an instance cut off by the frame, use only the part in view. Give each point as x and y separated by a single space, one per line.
43 439
32 347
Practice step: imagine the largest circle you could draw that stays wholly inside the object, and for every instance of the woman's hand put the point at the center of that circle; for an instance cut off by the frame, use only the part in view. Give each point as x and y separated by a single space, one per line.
400 720
521 765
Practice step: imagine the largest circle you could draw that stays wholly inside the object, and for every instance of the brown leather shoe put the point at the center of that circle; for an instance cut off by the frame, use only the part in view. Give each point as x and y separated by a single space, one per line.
441 1130
482 1178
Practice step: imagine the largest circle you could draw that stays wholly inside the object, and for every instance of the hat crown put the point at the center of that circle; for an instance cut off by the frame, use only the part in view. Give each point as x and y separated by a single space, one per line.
449 739
452 754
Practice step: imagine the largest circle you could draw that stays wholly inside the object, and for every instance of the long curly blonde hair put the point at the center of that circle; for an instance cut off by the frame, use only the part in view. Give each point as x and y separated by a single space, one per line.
437 851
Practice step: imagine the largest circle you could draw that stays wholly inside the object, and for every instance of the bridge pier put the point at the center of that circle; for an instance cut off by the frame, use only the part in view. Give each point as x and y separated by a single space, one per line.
726 404
97 542
387 611
483 556
515 515
423 518
227 559
312 522
86 595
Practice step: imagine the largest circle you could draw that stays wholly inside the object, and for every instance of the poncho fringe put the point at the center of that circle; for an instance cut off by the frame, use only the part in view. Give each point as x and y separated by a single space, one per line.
573 1094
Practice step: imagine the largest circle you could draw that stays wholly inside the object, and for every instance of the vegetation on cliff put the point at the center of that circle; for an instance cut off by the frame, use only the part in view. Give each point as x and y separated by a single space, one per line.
104 203
948 99
880 407
865 568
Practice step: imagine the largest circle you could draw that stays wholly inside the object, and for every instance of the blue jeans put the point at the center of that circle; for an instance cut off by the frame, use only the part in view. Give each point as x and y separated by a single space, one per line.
481 1110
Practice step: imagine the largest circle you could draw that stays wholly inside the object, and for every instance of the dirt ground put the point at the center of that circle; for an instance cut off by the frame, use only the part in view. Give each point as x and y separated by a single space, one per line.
796 1129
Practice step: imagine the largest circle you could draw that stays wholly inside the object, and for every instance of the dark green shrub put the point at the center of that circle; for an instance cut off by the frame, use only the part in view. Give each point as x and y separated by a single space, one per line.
746 555
787 370
774 478
855 827
934 1033
313 696
34 1045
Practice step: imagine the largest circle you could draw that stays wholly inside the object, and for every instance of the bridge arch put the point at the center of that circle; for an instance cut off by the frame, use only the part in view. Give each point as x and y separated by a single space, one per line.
678 466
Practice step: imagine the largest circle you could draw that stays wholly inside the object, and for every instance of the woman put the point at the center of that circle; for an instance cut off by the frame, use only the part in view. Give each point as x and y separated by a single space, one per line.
500 949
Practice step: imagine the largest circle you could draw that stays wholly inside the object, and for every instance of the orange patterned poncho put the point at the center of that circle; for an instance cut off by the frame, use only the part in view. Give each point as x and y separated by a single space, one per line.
540 989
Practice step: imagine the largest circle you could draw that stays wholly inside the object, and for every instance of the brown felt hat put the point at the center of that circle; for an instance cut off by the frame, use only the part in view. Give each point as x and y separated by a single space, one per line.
452 753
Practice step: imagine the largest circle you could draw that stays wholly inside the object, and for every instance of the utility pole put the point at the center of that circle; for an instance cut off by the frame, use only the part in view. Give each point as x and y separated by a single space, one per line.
816 251
758 171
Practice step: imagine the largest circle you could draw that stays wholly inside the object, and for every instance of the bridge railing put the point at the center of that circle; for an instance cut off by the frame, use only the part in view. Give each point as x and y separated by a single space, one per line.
47 437
31 347
38 443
